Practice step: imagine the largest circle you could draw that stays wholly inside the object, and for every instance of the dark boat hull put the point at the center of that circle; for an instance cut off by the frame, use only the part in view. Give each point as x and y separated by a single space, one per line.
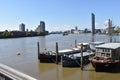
44 58
73 62
68 62
104 66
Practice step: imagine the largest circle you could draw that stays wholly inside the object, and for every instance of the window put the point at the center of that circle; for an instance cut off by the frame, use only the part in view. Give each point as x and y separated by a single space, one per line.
102 54
108 50
107 55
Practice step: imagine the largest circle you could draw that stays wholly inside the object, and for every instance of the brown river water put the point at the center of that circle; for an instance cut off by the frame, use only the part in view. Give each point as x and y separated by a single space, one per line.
29 64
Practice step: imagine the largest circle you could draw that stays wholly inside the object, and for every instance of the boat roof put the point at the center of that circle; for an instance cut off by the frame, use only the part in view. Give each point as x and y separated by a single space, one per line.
82 43
68 50
84 54
97 43
65 50
109 45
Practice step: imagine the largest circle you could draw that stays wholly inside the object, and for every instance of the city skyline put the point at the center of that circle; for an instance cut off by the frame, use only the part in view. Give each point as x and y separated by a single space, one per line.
58 15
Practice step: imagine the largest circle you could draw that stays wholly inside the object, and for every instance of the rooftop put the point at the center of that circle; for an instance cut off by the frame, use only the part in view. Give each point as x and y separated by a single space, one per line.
109 45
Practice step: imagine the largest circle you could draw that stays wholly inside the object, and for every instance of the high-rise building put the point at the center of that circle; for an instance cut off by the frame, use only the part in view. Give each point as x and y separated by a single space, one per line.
41 27
93 26
22 27
93 23
76 28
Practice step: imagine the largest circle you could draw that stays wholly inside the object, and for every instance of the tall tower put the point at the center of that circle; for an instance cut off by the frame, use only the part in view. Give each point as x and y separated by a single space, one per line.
22 27
109 30
93 26
42 26
76 28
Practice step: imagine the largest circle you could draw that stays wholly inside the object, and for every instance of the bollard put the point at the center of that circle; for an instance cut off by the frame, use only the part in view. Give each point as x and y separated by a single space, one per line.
38 50
75 43
81 57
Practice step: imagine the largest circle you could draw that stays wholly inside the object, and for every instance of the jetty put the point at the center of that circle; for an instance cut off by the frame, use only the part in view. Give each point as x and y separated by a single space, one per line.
52 56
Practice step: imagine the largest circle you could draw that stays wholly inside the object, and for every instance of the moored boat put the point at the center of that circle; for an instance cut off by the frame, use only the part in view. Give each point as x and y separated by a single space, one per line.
94 44
85 46
50 56
74 60
106 56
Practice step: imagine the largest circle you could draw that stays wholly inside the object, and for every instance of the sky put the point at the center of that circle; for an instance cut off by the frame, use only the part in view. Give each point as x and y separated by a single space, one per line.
58 15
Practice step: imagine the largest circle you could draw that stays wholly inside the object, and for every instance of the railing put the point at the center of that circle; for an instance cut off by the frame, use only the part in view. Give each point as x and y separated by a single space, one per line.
7 73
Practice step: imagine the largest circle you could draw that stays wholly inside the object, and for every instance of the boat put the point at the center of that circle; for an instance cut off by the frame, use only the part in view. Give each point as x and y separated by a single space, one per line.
94 44
74 60
107 56
50 56
65 33
84 45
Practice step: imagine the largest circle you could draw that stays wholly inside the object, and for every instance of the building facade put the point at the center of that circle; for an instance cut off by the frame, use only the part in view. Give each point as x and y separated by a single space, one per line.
41 27
22 27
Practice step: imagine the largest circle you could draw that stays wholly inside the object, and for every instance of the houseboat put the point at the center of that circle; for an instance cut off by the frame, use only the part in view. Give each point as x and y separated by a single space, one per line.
74 60
106 56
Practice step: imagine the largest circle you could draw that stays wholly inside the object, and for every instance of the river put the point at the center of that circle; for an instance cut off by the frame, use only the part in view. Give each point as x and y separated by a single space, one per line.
28 62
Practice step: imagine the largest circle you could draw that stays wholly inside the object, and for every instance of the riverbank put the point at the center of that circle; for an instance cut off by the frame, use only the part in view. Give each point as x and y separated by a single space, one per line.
18 34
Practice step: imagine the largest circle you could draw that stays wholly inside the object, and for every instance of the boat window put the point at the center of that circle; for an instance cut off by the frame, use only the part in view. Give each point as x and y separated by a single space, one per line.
97 50
108 50
103 54
107 55
103 50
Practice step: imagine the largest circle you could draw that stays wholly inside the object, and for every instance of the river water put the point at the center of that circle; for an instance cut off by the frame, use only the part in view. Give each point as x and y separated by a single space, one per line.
28 62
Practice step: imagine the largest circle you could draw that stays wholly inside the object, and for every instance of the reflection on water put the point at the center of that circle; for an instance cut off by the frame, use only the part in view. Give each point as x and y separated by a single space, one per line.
56 72
28 63
42 44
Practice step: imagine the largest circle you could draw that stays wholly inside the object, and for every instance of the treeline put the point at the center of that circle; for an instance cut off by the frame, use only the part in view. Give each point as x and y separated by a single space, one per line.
117 31
15 34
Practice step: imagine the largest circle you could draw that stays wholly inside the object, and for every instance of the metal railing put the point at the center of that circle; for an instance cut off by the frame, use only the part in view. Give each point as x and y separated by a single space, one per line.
8 73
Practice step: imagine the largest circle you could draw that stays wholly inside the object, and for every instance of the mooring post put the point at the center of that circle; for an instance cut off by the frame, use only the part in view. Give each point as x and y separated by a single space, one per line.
81 57
75 43
56 53
38 50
